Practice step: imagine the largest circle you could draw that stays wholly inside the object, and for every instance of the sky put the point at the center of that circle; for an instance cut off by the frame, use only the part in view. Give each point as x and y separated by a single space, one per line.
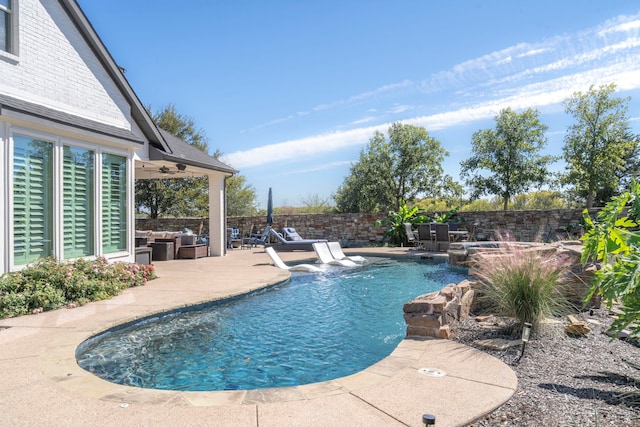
292 91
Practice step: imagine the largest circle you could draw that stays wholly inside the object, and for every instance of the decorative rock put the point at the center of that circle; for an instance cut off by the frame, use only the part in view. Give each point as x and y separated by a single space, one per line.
466 302
576 327
444 332
423 320
429 315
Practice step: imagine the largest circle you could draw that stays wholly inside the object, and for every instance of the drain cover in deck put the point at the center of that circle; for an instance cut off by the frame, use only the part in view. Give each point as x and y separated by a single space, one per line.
432 372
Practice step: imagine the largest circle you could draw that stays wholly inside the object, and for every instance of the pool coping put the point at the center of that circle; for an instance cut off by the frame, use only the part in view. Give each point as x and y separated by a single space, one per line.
392 389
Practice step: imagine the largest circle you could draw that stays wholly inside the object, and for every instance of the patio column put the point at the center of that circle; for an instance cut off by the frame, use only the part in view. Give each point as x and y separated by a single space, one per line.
217 232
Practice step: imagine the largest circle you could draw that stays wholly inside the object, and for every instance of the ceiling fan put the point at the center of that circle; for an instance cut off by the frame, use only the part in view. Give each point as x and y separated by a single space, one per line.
167 171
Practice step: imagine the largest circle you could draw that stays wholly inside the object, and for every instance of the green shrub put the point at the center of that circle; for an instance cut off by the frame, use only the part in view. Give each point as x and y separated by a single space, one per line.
613 240
48 284
522 282
395 232
13 304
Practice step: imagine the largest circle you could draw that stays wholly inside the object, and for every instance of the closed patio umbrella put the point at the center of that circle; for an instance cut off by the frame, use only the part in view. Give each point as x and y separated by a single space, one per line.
270 208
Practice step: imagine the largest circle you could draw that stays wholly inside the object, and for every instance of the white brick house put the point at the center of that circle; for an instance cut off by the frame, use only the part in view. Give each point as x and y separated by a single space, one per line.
74 138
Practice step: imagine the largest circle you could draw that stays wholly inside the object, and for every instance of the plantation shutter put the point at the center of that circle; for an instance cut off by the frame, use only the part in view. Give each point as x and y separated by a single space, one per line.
78 217
32 199
114 198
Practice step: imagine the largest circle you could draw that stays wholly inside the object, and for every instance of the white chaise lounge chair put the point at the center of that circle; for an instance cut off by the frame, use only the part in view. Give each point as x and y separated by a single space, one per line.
277 261
325 257
336 251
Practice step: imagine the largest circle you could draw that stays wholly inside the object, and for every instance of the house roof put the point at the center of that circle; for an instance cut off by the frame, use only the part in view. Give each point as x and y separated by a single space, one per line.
162 145
8 103
183 152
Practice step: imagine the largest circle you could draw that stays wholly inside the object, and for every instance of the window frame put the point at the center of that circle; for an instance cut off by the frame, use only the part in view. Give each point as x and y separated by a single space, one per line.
73 251
49 218
57 214
123 212
11 32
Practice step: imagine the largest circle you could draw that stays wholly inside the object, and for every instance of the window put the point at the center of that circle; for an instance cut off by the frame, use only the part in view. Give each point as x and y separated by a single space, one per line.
32 199
78 202
57 197
6 26
114 203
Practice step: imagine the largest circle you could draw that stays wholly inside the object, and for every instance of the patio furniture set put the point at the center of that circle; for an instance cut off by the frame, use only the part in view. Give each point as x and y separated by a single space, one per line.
167 245
435 236
286 240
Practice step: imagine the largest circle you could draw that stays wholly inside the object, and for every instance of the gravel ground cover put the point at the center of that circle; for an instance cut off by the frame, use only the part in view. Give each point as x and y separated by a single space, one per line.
562 380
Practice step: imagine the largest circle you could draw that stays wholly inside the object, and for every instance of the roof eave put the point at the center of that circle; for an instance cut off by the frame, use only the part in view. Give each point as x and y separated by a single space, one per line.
138 112
155 154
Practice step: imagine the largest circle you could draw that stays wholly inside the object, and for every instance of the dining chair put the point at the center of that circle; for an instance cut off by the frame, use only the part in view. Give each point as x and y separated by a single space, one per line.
442 236
425 236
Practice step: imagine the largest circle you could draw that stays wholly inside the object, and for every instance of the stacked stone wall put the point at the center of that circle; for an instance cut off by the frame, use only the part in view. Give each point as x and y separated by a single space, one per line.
353 230
430 315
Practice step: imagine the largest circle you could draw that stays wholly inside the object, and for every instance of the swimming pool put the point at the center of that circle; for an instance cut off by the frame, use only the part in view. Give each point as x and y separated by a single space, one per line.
311 328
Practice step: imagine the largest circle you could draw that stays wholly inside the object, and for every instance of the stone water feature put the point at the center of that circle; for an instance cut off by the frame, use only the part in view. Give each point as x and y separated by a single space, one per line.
431 315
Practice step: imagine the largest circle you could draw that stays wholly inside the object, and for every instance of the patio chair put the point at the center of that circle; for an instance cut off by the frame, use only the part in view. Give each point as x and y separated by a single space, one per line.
260 239
290 233
294 245
233 238
336 251
425 236
411 236
442 236
325 257
277 261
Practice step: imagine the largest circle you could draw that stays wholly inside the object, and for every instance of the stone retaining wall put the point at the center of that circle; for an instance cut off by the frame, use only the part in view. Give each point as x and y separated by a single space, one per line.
430 315
353 230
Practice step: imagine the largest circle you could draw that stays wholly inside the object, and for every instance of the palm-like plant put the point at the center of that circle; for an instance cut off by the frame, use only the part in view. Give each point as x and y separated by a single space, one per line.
395 232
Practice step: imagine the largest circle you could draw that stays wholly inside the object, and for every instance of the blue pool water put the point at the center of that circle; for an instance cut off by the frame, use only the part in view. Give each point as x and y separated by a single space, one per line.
311 328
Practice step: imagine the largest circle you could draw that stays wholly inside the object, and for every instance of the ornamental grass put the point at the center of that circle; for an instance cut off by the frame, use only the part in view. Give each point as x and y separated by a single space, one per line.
523 282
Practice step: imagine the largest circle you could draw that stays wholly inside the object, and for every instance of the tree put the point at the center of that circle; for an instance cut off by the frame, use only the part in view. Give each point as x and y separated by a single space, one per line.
189 196
175 196
511 155
181 126
391 171
241 197
598 147
314 203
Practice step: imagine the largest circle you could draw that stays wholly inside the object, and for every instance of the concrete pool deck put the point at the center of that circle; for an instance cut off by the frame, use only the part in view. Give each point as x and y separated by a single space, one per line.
41 384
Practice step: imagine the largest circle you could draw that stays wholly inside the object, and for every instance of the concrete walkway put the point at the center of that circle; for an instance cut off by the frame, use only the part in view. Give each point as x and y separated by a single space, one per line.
41 384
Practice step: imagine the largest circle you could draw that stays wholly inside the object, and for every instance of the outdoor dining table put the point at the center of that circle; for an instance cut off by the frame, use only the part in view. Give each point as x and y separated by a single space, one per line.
456 235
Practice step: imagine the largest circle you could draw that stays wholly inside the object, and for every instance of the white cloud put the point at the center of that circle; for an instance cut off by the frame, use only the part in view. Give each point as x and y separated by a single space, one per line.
622 24
396 109
303 147
533 52
325 166
363 120
353 99
497 78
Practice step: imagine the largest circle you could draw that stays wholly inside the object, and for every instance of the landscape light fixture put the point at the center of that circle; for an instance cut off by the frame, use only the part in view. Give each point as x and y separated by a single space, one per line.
181 166
526 333
164 170
428 419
